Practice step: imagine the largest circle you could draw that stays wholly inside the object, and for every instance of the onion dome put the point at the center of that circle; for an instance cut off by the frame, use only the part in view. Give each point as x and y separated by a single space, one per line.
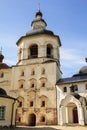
38 24
83 70
1 57
3 92
2 65
39 14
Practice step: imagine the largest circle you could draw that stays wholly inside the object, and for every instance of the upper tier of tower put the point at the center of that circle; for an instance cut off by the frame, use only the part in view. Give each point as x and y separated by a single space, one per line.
38 25
39 44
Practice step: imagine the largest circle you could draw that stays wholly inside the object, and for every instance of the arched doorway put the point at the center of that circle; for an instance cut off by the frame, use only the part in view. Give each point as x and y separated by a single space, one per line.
32 120
75 115
72 113
71 110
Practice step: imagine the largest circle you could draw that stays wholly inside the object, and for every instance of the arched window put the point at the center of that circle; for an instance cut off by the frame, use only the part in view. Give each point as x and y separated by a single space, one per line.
32 72
65 89
49 51
19 119
21 83
42 119
43 71
2 75
22 73
20 101
33 51
20 104
42 103
21 86
31 103
32 85
43 84
75 87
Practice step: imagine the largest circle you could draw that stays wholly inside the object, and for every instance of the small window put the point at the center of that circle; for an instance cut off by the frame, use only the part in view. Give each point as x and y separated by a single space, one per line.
31 104
42 119
21 86
32 85
72 88
19 119
20 104
2 75
75 88
22 74
43 71
65 89
43 84
2 112
43 104
33 72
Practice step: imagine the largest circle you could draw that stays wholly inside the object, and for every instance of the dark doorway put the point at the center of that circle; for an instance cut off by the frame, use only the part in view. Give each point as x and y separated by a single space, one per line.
32 120
75 115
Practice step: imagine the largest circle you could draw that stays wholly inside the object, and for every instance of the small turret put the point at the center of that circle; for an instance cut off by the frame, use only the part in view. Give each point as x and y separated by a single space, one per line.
2 65
1 56
38 23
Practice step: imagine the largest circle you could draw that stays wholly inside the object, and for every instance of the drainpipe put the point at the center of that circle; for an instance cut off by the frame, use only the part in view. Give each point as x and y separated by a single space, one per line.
56 106
12 112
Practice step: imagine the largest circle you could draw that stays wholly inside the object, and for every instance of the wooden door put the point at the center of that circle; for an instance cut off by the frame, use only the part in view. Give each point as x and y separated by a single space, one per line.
75 115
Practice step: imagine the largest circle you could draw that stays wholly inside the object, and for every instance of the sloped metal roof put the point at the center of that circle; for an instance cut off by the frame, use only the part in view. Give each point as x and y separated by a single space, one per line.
73 79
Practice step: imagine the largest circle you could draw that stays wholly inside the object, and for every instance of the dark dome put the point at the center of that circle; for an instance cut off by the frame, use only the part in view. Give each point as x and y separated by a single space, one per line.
3 66
83 70
39 31
3 92
1 57
38 13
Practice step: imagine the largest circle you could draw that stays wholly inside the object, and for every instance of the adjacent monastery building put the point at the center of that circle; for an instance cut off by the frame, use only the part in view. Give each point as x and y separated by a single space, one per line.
33 91
72 98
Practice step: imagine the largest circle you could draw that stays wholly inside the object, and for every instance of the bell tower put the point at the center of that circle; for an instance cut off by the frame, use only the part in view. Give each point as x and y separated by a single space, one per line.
39 44
36 73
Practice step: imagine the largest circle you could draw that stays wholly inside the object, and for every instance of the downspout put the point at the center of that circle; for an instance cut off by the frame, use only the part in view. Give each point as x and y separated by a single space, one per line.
56 105
12 113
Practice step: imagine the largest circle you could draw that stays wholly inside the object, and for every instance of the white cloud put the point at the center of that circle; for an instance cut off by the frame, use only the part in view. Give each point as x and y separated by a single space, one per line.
71 57
10 62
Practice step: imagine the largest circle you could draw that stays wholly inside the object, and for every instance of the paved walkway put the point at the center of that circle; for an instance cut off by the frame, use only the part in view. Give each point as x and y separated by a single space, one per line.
70 127
48 128
55 128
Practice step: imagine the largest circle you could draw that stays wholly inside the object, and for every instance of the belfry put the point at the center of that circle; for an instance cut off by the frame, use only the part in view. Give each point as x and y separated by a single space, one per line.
36 73
33 90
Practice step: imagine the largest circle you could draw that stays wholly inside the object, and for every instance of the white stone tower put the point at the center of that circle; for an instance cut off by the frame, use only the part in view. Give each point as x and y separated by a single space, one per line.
35 75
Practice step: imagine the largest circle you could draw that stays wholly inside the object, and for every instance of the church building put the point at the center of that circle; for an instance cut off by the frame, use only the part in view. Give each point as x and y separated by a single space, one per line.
32 81
34 88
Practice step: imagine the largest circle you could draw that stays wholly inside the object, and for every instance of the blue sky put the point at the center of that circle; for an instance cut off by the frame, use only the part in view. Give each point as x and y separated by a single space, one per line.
66 18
